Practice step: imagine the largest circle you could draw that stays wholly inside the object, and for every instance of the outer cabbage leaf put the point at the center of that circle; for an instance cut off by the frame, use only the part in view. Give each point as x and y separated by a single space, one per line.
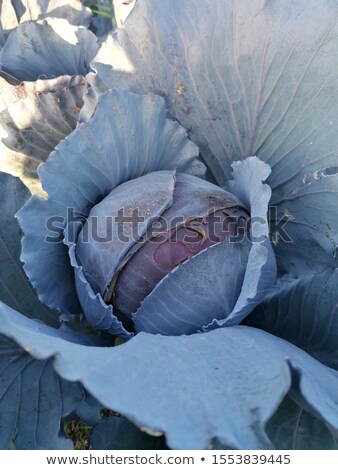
244 388
248 77
34 117
116 433
292 428
247 185
15 289
33 399
47 49
128 136
305 312
73 10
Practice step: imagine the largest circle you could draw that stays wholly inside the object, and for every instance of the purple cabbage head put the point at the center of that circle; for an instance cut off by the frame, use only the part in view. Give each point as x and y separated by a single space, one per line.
147 227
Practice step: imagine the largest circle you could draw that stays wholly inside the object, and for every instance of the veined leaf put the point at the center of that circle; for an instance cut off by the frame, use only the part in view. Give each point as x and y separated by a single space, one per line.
305 312
33 400
47 49
34 117
164 394
247 77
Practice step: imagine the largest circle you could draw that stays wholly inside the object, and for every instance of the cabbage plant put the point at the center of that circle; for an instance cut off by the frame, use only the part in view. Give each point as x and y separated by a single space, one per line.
180 268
